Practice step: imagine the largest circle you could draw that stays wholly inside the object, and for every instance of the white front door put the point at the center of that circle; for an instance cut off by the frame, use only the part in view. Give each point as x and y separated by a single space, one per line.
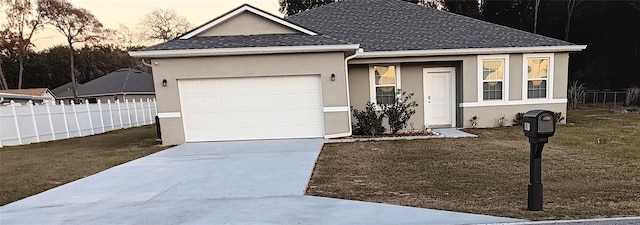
439 97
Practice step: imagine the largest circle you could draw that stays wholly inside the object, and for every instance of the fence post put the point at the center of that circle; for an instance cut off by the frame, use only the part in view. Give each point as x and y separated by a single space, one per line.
33 118
615 99
53 131
64 115
86 102
75 114
113 127
144 118
155 106
119 113
604 99
151 119
135 112
126 101
15 119
101 117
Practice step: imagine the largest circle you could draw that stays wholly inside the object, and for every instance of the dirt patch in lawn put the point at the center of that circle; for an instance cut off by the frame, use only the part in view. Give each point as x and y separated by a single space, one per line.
591 169
30 169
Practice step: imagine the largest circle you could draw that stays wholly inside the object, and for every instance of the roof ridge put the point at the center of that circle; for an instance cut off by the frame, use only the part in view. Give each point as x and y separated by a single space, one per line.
124 84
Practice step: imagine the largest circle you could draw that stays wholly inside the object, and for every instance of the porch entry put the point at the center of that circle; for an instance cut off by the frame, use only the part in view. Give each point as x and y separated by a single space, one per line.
439 97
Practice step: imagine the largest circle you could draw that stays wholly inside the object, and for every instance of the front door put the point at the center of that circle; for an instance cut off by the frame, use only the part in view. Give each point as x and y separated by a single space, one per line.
439 99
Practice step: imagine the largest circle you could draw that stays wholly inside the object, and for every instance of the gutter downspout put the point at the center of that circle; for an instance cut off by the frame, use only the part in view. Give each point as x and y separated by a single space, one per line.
146 64
346 77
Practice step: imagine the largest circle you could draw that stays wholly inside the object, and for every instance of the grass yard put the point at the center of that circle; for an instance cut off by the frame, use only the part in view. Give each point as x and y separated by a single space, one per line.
591 169
30 169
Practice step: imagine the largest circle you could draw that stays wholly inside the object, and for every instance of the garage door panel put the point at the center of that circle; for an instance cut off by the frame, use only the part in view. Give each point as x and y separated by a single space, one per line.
252 108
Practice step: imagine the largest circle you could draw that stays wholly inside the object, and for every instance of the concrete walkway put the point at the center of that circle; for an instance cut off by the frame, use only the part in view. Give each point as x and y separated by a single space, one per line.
243 182
452 133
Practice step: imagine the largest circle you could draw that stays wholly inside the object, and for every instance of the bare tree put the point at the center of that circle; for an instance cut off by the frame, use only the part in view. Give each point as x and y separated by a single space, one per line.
163 24
5 44
126 38
3 81
23 21
571 5
78 25
535 17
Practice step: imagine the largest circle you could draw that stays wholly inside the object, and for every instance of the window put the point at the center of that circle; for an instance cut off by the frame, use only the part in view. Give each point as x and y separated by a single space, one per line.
385 83
538 70
493 71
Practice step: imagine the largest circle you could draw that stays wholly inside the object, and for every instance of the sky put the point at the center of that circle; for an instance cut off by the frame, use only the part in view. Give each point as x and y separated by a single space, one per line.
129 12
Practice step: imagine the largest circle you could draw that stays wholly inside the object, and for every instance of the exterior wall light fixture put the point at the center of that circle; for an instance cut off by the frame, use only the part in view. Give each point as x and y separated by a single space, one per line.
333 77
164 82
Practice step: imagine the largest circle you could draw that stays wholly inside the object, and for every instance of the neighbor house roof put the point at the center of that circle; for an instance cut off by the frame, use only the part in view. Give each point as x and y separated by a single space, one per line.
62 88
394 25
28 91
122 81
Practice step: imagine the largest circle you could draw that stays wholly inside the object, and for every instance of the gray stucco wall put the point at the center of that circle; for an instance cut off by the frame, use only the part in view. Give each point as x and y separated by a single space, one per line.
488 116
467 86
247 24
325 64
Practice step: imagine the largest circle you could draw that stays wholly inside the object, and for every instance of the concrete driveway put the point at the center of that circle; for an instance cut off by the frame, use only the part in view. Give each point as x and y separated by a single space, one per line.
241 182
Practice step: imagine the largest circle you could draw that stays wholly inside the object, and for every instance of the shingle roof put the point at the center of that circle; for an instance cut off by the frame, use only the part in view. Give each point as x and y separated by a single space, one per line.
240 41
394 25
129 81
27 91
62 88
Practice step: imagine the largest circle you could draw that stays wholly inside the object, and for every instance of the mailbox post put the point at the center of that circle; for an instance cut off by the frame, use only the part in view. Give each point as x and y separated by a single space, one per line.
539 125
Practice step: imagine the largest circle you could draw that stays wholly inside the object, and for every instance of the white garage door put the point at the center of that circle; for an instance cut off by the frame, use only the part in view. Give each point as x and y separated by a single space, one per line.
252 108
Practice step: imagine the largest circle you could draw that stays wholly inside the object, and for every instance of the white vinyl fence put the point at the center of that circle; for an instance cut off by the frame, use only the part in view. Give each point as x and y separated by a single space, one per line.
31 123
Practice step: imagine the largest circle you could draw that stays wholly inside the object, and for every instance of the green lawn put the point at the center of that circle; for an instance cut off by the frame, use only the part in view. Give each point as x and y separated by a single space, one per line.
591 169
30 169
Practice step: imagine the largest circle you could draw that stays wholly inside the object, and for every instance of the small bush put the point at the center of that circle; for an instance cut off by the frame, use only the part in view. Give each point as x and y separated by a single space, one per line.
474 121
518 119
633 97
368 122
576 94
501 121
559 117
400 112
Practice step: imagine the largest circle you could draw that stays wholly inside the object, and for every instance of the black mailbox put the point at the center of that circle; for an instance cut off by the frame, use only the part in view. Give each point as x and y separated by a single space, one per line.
539 124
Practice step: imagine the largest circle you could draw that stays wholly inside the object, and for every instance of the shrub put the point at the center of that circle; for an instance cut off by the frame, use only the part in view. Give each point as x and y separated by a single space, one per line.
400 112
368 122
576 94
474 121
559 117
501 121
633 97
518 119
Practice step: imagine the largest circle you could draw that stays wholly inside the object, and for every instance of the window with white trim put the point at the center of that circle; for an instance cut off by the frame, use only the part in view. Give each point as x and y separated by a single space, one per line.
385 82
493 78
537 76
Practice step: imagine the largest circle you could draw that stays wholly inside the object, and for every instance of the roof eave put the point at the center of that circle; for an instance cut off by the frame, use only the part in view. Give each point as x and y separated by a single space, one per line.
242 51
108 94
472 51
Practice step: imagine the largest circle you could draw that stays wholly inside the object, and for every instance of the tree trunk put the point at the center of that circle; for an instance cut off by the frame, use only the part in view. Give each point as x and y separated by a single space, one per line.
74 87
20 71
566 28
633 97
535 17
571 5
3 80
